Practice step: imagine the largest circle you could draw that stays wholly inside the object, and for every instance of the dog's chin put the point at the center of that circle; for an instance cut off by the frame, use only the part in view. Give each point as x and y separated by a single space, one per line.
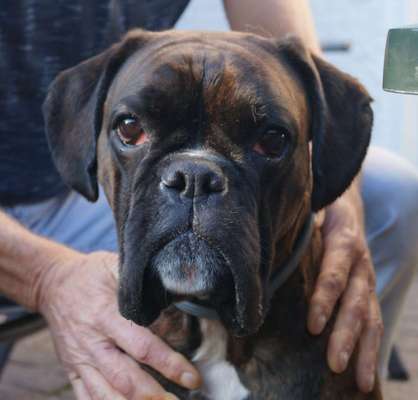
189 268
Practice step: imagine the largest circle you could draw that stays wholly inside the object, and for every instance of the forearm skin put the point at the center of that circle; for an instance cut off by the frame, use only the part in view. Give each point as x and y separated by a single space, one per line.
24 260
276 18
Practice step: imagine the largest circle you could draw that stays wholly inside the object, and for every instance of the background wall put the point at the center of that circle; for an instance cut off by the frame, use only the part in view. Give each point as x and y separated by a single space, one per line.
364 24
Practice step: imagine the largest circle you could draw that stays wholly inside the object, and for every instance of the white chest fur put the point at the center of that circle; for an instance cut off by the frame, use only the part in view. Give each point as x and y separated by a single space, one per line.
221 380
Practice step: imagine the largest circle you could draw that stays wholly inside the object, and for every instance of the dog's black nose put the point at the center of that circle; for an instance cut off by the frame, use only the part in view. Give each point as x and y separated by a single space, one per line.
193 178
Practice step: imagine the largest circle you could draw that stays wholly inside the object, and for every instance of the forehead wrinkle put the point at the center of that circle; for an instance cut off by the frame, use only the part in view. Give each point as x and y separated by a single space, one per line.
229 88
224 79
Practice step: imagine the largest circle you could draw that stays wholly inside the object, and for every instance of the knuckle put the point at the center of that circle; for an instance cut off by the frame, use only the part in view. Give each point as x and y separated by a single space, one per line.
165 367
357 246
143 348
318 302
343 339
333 283
121 381
359 310
350 339
172 365
348 238
376 325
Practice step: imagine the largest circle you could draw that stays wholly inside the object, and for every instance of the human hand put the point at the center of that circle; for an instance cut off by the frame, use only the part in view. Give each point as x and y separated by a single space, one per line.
347 275
97 346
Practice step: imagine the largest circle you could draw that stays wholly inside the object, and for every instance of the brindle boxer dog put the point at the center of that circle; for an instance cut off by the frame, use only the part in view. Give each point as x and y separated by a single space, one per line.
213 150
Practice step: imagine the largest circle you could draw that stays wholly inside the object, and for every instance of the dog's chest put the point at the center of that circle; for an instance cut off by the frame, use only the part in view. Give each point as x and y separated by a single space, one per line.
221 380
272 373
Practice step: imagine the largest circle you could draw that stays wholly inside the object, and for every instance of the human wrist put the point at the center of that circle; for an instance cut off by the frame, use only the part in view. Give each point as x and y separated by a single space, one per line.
348 209
65 275
53 263
353 195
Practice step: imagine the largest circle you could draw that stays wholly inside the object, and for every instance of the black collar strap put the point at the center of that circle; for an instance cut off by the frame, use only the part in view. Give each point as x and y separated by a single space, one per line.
282 275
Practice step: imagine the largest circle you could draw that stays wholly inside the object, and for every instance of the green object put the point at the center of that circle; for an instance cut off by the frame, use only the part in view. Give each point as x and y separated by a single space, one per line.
400 72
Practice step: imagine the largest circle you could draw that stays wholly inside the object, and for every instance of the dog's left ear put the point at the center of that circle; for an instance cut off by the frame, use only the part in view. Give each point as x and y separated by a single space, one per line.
73 113
341 122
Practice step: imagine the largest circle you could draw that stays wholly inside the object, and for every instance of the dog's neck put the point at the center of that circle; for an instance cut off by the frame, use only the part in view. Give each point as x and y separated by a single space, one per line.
291 254
228 364
221 357
287 315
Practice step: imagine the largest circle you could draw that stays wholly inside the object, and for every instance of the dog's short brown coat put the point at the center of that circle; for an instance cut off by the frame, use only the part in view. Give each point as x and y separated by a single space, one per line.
219 92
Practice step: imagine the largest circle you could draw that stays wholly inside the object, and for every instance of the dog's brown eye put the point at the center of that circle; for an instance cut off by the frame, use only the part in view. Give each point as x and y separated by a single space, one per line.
273 143
131 132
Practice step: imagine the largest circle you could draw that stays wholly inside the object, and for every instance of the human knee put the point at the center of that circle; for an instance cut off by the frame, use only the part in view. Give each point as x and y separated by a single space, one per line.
390 187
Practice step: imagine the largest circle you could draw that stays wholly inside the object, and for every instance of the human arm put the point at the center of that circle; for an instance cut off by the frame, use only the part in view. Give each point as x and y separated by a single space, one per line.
347 273
276 18
76 293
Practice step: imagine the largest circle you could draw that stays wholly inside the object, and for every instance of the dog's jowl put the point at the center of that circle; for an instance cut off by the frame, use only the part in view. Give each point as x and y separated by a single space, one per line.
215 150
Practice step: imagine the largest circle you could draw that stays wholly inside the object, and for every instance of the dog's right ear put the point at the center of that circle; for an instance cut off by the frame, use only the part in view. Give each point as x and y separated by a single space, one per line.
73 113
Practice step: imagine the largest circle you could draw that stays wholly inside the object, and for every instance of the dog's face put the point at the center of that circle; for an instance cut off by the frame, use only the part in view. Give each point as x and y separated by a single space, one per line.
202 143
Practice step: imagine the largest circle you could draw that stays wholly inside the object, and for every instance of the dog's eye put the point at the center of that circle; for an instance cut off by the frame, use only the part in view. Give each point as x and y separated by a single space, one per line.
273 143
130 131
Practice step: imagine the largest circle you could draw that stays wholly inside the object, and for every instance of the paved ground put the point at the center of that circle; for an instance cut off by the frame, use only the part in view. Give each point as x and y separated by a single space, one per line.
34 372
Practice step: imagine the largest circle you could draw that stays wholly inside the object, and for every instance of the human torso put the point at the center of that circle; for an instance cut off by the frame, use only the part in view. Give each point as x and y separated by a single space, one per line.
37 41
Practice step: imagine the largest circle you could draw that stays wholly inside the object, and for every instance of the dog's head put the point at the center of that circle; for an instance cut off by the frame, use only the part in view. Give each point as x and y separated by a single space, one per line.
202 144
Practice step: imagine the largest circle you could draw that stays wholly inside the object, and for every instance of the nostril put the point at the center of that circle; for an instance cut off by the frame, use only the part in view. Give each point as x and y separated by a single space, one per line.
174 180
215 183
209 183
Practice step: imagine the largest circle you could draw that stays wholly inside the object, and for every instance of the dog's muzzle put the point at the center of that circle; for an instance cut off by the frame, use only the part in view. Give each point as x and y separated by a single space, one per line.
201 228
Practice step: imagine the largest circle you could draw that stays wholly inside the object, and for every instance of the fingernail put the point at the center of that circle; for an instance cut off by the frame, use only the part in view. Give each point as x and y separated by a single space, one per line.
318 320
344 356
170 396
189 380
370 382
321 322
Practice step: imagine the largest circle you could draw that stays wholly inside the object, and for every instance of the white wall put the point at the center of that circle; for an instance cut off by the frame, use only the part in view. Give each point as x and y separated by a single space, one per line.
363 23
204 15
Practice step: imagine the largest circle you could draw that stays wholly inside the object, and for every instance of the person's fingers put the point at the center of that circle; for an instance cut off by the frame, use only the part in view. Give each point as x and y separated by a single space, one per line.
126 376
79 389
145 347
331 282
369 347
351 317
96 385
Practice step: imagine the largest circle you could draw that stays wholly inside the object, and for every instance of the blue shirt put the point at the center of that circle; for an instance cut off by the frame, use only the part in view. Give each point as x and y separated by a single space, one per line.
38 39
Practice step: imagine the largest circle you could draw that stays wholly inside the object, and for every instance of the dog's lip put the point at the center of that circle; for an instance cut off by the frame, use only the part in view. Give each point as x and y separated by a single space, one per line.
199 295
232 311
177 234
202 298
167 239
